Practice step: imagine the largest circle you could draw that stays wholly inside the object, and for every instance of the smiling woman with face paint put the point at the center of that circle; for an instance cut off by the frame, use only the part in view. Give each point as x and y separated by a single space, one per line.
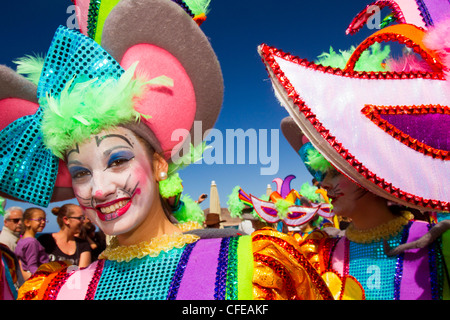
115 179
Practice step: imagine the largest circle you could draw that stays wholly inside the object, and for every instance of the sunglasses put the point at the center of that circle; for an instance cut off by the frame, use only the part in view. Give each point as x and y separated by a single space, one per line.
16 220
80 218
39 220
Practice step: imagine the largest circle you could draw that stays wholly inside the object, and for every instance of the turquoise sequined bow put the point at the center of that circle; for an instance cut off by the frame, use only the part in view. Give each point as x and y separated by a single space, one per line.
27 167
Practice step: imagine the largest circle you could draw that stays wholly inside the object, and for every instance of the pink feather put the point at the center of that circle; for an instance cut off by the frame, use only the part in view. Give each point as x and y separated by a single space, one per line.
438 39
407 63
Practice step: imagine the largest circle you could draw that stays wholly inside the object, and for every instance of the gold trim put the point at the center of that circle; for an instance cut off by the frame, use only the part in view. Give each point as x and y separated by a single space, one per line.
150 248
383 231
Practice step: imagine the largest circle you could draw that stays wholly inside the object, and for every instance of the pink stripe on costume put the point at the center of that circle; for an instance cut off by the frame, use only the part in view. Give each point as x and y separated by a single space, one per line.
411 12
338 257
76 285
6 293
416 284
199 278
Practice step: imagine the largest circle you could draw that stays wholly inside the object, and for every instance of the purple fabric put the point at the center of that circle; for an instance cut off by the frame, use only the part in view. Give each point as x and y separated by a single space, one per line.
286 186
431 129
416 284
437 9
199 278
31 253
270 211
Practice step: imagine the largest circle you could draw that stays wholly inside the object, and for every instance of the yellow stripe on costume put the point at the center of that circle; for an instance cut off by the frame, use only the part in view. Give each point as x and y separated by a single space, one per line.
245 268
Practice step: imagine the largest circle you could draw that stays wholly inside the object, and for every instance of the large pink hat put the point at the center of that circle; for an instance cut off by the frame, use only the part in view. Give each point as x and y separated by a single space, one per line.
150 39
387 131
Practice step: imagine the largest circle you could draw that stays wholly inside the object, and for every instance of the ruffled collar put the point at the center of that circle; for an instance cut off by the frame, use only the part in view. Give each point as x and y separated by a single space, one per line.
150 248
384 231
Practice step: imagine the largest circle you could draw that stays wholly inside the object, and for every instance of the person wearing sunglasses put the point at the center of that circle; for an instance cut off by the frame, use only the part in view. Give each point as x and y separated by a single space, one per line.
12 226
64 245
29 251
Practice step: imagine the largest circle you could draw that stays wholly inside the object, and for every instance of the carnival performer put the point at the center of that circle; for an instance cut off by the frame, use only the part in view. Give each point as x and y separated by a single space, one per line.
108 113
377 138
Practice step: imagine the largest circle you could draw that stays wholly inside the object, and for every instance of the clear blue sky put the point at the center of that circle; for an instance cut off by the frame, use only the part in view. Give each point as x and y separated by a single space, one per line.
235 29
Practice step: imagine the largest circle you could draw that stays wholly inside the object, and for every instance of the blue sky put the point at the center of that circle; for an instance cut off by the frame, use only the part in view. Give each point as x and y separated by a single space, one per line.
235 29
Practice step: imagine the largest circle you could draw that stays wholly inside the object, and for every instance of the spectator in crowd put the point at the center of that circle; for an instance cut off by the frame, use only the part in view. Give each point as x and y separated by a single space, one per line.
64 245
12 226
96 240
29 251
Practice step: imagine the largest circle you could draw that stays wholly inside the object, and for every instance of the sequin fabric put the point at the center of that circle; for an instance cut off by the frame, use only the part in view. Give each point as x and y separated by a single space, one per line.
221 275
71 55
179 272
159 278
282 271
28 169
94 8
148 278
232 272
373 269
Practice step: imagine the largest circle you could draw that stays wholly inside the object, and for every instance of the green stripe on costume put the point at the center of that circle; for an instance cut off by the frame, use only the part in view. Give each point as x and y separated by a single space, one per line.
446 254
104 11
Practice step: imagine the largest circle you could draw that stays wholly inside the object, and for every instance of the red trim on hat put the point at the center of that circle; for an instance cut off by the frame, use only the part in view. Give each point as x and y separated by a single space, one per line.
269 53
374 114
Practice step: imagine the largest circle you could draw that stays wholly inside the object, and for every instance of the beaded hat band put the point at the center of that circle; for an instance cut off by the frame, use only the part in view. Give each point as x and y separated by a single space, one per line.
387 131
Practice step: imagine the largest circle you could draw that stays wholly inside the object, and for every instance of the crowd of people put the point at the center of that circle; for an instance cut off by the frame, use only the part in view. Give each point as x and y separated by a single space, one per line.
77 241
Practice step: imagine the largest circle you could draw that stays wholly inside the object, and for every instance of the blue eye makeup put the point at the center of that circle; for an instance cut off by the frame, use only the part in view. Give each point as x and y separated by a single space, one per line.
120 157
78 172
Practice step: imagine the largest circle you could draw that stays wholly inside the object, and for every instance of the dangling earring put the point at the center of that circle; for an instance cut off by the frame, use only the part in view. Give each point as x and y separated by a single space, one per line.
162 175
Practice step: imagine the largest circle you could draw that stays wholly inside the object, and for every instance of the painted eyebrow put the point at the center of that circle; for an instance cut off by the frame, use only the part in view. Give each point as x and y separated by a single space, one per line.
74 162
100 140
77 150
109 151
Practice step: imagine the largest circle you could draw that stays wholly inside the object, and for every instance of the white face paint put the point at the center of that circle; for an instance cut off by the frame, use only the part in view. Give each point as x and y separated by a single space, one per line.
113 180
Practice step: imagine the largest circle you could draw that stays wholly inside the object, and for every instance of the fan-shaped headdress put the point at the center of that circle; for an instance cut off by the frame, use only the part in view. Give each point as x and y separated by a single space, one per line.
386 130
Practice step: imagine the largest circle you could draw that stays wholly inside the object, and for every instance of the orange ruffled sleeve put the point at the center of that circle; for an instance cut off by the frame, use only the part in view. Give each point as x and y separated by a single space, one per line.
35 288
282 272
317 248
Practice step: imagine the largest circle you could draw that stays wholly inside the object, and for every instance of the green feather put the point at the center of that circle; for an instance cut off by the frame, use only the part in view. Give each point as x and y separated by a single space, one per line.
317 161
189 211
171 186
282 208
371 59
85 107
30 67
198 6
235 206
309 192
194 155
